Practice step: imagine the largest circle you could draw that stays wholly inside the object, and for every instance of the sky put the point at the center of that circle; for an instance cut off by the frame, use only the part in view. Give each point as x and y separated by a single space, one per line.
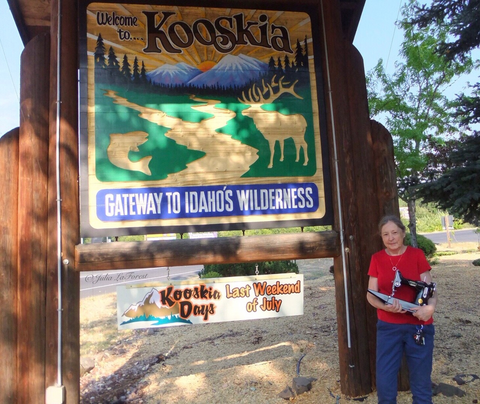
11 48
377 37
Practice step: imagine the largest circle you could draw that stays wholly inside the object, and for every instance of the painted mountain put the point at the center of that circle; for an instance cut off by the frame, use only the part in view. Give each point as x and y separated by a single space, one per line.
230 71
152 311
178 74
150 306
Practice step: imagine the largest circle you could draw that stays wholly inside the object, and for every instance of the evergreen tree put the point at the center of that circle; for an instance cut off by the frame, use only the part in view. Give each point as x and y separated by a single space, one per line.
136 71
143 74
99 53
112 59
279 67
462 20
271 64
112 64
298 55
126 69
288 67
454 184
272 69
460 17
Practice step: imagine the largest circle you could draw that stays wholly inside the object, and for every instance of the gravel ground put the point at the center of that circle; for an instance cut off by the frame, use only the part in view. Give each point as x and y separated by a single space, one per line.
253 361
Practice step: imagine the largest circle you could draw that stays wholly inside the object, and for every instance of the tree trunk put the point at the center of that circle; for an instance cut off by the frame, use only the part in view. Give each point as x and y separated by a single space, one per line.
412 221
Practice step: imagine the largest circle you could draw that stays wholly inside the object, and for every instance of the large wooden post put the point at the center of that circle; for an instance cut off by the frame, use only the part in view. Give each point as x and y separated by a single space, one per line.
67 116
356 202
8 264
32 221
385 170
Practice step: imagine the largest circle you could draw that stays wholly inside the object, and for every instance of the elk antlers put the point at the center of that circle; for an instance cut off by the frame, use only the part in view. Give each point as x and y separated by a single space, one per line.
257 96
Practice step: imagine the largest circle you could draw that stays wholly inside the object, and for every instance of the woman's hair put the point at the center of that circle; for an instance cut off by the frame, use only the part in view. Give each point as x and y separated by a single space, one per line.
393 219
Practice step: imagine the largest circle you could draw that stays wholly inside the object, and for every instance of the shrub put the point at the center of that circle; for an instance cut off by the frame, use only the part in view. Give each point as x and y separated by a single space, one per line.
248 269
211 274
476 263
426 245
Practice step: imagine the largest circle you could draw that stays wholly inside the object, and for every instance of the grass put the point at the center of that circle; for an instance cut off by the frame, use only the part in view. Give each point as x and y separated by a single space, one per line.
456 248
98 324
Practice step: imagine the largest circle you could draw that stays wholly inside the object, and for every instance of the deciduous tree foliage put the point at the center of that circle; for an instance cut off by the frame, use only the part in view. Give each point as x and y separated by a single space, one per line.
412 100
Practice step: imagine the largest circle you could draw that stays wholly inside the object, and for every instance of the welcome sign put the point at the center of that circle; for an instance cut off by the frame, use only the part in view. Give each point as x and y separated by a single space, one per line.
209 301
200 118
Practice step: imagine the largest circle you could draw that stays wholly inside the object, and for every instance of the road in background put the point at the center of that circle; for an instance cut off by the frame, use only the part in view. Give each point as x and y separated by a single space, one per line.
456 236
102 282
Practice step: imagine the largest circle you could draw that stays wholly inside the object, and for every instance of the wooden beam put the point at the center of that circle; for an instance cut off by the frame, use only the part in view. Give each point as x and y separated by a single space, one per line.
147 254
8 264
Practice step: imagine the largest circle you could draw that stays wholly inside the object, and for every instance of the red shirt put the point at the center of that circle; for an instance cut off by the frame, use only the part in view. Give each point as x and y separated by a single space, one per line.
411 264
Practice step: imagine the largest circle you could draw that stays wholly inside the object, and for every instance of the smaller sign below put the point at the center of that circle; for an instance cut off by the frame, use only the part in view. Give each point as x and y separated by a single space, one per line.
166 236
206 234
210 300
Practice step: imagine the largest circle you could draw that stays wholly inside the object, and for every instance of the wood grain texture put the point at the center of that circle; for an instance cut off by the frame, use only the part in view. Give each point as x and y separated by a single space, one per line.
145 254
8 264
32 220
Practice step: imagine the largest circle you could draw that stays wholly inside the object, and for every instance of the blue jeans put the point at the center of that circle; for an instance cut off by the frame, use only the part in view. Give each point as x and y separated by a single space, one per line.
392 341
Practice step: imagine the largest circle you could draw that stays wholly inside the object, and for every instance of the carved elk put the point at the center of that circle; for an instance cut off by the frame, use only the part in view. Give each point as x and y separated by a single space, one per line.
273 125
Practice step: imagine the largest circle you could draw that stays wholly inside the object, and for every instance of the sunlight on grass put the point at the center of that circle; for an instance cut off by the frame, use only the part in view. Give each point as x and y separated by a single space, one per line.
98 323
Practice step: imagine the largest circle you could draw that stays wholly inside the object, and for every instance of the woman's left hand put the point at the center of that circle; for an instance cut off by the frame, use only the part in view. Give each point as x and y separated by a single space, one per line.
423 313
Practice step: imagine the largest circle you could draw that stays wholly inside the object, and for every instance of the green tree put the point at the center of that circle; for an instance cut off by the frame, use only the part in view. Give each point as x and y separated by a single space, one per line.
413 103
455 179
455 176
462 20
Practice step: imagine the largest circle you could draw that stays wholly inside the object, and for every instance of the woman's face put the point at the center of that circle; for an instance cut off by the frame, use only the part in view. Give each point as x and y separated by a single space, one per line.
392 237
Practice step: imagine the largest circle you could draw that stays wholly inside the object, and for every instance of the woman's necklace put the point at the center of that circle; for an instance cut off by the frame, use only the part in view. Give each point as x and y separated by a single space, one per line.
395 267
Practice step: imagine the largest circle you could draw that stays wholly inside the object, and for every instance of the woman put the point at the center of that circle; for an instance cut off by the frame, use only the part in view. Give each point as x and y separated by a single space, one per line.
399 331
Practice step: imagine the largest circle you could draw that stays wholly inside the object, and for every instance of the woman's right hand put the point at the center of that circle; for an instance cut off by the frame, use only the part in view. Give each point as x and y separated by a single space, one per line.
394 307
